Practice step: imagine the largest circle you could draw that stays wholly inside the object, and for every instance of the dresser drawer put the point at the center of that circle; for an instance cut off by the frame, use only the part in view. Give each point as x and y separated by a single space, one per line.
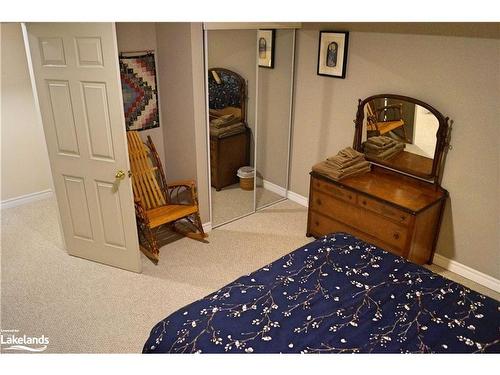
320 225
336 191
356 217
390 212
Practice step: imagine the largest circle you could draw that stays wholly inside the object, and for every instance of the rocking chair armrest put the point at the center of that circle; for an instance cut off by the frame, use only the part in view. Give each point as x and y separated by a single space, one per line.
176 187
187 183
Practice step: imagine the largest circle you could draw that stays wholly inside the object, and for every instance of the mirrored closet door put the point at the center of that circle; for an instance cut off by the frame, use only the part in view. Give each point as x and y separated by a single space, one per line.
231 78
249 76
274 104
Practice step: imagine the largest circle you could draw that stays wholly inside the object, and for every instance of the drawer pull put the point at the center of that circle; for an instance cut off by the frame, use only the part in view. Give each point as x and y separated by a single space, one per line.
364 203
316 223
349 196
396 236
403 218
318 201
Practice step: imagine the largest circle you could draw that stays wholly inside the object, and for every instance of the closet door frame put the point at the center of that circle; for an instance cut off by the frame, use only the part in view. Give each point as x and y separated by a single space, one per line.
206 28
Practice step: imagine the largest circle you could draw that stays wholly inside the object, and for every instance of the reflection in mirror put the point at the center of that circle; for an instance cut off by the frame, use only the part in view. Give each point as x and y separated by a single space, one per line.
231 91
400 134
274 100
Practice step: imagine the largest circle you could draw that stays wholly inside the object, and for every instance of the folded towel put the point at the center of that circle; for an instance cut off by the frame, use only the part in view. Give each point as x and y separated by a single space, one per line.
373 147
223 121
349 152
214 112
352 168
386 154
380 140
341 162
355 173
324 169
345 158
228 130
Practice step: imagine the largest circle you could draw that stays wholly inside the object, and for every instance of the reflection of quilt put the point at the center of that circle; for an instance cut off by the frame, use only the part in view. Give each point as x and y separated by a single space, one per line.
225 94
140 101
336 295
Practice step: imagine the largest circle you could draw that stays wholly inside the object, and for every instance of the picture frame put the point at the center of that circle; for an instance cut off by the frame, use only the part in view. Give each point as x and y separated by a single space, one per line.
265 41
332 53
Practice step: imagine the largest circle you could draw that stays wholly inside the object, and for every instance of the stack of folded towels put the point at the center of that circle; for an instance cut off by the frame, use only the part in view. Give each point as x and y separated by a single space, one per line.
347 163
226 125
382 147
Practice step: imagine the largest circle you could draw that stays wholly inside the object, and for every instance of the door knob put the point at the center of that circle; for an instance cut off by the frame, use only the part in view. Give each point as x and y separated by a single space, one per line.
120 175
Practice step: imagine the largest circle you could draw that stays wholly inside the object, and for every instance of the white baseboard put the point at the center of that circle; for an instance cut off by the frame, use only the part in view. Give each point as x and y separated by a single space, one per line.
207 227
297 198
281 191
28 198
467 272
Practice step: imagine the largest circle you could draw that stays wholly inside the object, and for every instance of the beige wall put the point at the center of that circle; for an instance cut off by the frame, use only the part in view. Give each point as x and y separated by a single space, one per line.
141 36
466 29
183 111
274 112
460 77
25 162
236 50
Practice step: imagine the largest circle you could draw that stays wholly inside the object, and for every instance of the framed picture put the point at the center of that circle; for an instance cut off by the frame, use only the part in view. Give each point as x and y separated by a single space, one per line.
265 38
332 53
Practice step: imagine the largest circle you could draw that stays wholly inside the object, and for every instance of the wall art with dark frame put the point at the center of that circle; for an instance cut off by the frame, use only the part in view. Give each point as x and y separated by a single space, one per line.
266 39
332 53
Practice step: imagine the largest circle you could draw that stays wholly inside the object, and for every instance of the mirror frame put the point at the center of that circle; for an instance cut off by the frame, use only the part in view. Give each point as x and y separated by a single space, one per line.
441 136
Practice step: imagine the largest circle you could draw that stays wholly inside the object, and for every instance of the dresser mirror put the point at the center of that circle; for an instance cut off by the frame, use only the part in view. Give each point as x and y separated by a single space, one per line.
402 133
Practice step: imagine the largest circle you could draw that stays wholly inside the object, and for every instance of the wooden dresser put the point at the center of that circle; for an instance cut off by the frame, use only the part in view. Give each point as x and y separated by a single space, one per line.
227 155
398 213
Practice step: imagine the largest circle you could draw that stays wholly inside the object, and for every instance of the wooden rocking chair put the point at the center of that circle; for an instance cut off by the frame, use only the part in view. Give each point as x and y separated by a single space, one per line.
382 126
156 202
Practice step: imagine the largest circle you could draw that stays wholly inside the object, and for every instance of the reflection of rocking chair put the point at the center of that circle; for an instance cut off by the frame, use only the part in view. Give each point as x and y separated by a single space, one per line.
385 119
156 202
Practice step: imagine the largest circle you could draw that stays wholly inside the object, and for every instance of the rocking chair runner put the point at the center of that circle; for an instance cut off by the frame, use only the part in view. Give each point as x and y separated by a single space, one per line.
156 202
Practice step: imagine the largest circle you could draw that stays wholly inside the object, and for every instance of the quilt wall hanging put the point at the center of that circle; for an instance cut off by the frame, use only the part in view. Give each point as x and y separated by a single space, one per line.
140 95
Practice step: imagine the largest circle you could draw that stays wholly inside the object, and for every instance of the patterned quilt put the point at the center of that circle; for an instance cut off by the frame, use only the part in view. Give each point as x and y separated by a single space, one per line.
140 96
335 295
225 94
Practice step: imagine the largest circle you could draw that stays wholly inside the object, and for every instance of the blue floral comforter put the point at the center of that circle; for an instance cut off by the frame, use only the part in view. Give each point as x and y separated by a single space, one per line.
335 295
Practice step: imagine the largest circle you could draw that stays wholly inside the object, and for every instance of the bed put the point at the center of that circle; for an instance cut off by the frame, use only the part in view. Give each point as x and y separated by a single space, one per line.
337 294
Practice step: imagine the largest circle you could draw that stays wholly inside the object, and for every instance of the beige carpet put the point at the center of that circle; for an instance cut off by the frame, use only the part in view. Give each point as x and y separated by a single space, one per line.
232 202
88 307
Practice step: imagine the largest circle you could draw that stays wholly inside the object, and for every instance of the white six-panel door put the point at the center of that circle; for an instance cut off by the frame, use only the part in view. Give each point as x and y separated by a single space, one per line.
75 68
